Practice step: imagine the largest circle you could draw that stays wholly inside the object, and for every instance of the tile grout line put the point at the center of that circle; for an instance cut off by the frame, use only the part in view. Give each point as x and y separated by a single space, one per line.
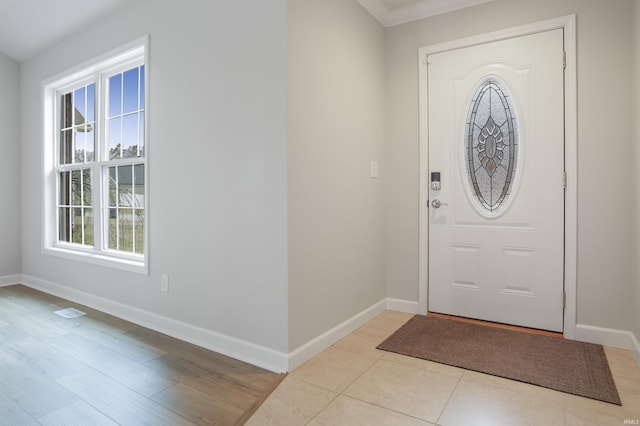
444 408
382 358
388 409
341 393
323 408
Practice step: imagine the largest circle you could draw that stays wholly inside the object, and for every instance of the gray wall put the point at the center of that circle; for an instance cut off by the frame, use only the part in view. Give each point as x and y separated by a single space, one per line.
9 171
337 115
605 140
217 155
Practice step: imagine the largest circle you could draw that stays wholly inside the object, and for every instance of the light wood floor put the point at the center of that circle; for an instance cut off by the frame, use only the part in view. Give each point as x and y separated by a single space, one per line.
97 369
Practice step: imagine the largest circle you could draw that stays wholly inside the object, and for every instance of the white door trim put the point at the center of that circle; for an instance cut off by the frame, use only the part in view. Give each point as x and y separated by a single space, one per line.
568 23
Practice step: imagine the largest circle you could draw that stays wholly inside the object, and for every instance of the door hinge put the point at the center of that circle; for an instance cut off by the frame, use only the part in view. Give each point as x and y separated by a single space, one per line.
564 180
564 60
564 300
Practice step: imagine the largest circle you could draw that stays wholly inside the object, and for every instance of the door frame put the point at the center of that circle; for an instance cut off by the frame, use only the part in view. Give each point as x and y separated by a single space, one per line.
568 24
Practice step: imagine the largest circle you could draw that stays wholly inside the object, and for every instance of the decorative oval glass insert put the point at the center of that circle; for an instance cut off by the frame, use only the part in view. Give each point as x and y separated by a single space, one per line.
491 144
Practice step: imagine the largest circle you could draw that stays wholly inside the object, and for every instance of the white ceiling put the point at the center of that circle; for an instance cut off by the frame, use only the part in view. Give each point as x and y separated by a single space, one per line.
395 12
28 27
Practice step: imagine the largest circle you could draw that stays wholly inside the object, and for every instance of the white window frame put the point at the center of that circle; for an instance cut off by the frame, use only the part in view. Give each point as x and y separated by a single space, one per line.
95 71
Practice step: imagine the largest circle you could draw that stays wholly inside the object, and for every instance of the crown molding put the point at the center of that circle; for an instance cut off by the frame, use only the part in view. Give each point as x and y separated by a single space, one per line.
414 12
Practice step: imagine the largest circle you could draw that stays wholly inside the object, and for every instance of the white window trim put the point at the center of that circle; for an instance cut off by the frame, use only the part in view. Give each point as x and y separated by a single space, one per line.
108 62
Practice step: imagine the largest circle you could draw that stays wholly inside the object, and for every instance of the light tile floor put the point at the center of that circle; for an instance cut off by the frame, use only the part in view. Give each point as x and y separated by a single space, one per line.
352 383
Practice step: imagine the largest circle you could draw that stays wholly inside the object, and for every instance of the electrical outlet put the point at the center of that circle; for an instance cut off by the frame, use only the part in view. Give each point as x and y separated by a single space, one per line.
164 283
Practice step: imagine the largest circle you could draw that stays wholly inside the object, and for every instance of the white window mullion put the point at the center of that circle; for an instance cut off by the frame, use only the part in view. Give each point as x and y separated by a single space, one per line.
140 72
117 207
133 199
121 129
84 156
82 236
96 196
100 196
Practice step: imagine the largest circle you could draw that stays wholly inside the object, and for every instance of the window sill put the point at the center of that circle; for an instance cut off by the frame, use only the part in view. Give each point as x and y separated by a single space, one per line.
129 265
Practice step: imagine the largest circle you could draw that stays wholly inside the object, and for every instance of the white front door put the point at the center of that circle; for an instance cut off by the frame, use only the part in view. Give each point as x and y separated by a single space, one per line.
496 147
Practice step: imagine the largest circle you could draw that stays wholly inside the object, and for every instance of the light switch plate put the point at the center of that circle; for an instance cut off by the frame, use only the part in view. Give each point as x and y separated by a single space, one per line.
374 170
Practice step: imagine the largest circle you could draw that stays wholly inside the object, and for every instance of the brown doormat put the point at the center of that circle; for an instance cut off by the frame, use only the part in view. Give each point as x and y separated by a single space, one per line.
565 365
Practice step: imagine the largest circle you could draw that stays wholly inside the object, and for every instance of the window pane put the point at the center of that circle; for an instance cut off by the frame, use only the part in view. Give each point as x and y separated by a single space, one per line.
113 229
66 115
141 134
125 186
130 136
125 230
91 104
76 226
126 224
64 188
84 143
86 187
88 226
115 95
90 142
130 92
138 175
115 126
80 104
113 188
80 144
90 134
64 228
76 188
139 231
142 87
66 147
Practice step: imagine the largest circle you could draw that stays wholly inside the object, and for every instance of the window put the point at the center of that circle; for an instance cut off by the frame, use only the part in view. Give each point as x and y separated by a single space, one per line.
95 161
491 146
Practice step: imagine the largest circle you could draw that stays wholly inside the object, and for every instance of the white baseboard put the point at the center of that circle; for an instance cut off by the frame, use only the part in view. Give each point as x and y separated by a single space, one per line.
609 337
268 358
635 348
312 348
9 280
239 349
403 306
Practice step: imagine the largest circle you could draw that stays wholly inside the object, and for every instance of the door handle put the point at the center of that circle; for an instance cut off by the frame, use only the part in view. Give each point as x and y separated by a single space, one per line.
436 204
